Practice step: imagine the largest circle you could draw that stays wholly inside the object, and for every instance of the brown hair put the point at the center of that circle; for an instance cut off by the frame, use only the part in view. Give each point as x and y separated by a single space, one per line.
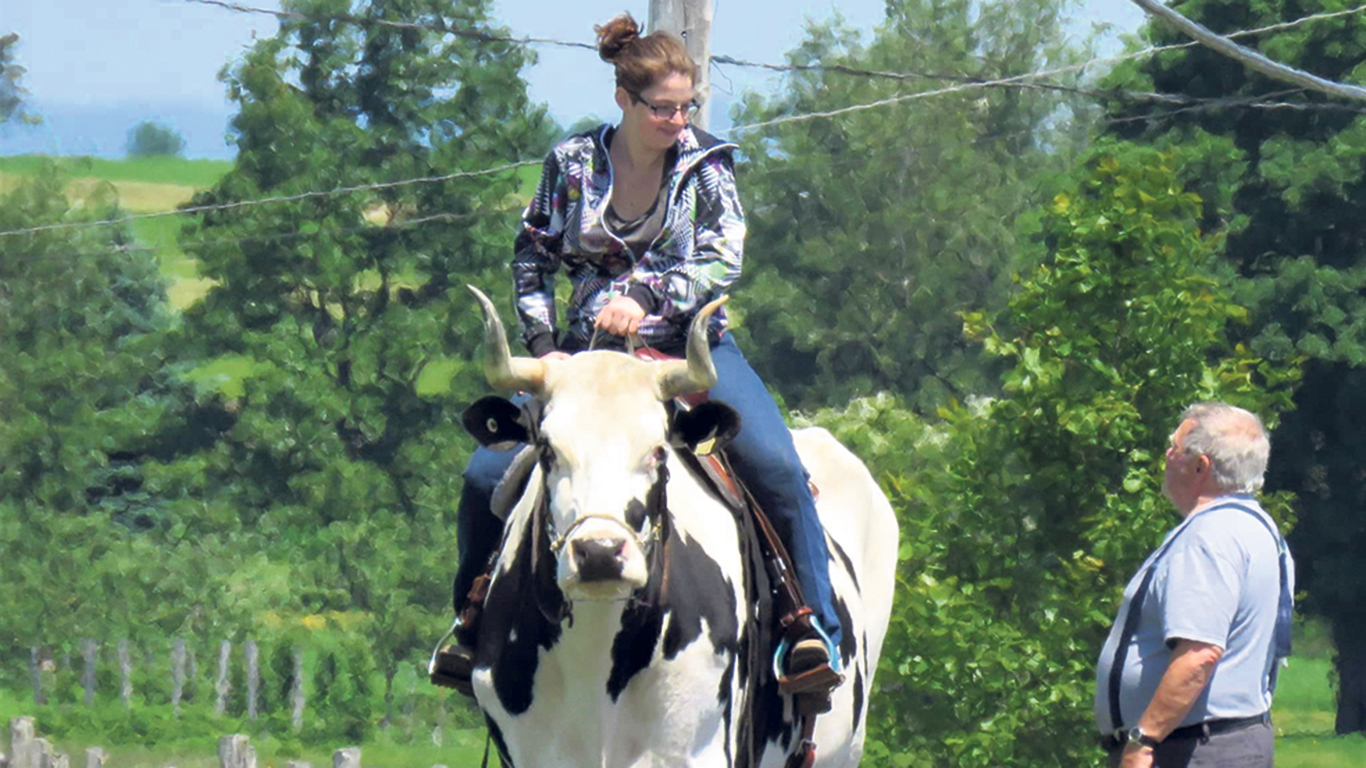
642 61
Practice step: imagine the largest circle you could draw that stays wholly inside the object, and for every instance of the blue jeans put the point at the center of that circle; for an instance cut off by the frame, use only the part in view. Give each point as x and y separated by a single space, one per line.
763 455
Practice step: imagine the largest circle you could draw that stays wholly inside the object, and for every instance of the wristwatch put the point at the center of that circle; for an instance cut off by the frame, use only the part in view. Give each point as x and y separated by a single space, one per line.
1137 736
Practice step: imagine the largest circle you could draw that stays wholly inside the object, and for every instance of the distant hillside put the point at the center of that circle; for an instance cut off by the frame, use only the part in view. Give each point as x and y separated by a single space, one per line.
145 185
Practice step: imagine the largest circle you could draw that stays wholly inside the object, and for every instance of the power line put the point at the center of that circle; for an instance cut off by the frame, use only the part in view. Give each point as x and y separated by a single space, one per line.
1251 59
844 69
450 218
734 129
1025 77
363 21
1204 105
268 200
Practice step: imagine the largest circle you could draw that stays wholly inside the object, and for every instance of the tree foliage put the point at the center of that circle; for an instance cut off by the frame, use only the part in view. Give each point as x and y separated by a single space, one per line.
11 93
87 398
152 139
1288 187
870 231
1023 516
347 311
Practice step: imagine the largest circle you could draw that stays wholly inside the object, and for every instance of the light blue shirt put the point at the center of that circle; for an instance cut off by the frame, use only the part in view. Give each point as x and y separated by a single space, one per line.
1218 583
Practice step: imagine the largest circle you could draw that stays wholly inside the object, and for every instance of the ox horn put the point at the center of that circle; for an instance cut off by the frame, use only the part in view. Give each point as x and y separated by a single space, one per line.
503 371
696 374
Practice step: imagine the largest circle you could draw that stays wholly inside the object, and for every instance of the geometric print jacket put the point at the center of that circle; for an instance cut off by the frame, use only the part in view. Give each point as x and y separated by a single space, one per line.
695 258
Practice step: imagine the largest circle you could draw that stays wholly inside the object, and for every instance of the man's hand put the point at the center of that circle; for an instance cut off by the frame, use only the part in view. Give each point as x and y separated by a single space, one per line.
621 316
1136 756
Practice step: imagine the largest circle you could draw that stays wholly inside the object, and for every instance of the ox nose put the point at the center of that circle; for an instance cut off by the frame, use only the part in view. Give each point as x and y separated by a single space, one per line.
599 558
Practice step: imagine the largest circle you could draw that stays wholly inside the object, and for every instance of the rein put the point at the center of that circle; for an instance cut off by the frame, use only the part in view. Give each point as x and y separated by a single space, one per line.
543 525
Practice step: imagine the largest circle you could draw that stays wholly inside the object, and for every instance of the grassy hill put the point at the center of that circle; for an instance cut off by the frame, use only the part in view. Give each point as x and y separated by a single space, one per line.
144 185
151 185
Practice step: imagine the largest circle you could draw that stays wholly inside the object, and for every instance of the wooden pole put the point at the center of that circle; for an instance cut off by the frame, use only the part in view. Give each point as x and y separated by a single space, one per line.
690 20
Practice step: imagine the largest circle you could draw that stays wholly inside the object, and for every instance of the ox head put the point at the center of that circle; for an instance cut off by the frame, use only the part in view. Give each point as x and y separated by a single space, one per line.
605 436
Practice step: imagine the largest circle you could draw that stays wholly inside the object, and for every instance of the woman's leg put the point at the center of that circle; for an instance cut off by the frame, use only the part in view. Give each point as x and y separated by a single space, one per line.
477 529
766 460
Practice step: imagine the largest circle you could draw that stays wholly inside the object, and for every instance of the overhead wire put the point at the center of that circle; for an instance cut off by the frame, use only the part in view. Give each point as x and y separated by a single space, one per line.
269 200
722 58
402 25
900 98
1149 51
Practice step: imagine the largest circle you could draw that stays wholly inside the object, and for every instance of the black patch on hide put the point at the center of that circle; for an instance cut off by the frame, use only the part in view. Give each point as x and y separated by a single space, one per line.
520 602
858 697
844 558
635 514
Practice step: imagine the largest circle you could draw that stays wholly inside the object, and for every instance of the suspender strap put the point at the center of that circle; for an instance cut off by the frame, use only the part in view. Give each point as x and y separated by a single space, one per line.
1281 641
1130 629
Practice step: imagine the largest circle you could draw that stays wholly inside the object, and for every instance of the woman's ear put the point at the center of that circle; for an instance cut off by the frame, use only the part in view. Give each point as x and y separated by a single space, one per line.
623 99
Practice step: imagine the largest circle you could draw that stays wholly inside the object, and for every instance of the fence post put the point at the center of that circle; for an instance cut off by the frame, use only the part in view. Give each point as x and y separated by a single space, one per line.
126 674
236 752
88 679
42 756
252 653
35 668
346 757
296 692
222 685
95 757
52 760
21 737
177 674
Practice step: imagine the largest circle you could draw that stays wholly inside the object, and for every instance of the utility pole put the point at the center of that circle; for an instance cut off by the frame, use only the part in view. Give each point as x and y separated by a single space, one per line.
690 20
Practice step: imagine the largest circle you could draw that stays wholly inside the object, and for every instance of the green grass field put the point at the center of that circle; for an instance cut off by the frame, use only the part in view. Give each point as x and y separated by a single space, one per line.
175 171
1303 716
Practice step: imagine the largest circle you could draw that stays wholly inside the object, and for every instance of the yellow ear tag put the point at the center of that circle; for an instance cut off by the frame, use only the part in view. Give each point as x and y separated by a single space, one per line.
705 447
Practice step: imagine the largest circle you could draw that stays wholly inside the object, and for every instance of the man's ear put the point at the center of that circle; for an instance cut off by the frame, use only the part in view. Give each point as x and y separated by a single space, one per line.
704 429
496 423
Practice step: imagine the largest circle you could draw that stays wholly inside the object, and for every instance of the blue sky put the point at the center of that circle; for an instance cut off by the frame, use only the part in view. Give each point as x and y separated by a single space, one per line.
96 67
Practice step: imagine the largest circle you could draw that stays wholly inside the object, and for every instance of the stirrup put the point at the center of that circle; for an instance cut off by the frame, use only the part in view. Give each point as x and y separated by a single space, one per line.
451 666
810 689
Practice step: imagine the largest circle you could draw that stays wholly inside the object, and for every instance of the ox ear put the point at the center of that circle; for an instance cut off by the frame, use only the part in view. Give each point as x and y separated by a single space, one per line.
496 423
705 429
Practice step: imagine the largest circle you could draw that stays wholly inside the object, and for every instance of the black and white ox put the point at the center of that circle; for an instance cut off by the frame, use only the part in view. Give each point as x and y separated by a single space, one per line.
623 627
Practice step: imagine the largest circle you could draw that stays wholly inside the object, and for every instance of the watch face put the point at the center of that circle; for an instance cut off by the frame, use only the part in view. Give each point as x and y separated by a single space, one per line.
1137 736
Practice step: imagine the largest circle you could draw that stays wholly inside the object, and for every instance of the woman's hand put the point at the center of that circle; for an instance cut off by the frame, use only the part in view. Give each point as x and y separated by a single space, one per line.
555 354
621 316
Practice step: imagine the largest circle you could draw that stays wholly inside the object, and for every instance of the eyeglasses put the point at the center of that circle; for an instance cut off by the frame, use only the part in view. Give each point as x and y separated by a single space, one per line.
667 111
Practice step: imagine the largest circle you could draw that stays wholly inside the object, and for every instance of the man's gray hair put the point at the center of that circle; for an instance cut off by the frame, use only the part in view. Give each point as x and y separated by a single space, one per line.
1235 442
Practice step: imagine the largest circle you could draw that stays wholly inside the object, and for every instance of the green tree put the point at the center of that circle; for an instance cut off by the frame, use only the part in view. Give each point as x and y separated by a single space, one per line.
1022 517
1288 187
870 231
11 93
86 400
151 139
347 311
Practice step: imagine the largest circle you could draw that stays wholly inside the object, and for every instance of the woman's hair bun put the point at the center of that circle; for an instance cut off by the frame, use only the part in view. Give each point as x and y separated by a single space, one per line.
616 35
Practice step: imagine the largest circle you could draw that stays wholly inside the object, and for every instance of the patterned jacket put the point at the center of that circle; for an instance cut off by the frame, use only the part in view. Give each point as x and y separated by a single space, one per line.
694 259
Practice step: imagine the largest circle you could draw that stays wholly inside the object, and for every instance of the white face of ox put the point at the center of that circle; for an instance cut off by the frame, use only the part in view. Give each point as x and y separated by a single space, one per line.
606 435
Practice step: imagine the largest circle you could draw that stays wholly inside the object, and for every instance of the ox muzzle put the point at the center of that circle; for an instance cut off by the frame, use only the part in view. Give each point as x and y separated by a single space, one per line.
600 558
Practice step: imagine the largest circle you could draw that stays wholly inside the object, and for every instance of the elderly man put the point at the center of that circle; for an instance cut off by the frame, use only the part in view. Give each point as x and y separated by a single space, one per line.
1186 676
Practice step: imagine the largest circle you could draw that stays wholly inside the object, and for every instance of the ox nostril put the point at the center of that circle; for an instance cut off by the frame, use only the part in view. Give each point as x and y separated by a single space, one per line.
598 559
